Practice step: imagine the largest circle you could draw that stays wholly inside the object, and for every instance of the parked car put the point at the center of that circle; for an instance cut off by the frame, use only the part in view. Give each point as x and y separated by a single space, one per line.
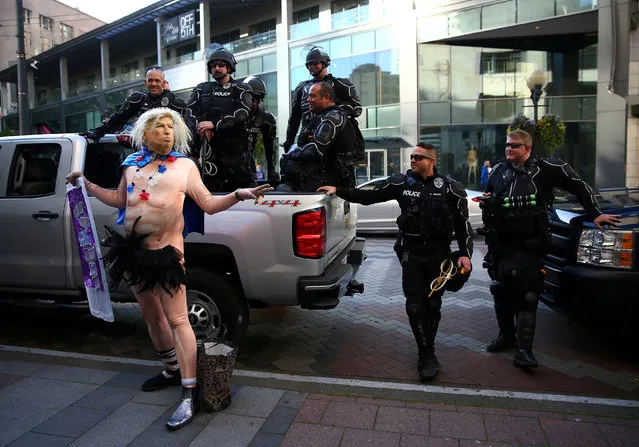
381 217
593 274
290 249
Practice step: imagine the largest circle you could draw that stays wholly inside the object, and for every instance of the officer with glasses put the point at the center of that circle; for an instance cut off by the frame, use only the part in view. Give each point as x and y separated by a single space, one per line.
222 110
139 102
434 210
514 211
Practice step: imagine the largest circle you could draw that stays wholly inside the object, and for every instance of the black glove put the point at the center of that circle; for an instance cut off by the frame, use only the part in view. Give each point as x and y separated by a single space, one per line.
273 176
287 146
89 134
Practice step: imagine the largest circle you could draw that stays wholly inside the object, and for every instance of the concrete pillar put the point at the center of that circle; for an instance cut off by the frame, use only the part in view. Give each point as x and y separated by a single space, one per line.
64 78
158 41
105 63
325 24
205 29
405 37
31 93
611 108
632 146
283 70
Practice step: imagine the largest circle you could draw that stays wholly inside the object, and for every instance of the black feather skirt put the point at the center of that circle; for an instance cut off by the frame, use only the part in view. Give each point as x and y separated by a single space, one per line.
127 260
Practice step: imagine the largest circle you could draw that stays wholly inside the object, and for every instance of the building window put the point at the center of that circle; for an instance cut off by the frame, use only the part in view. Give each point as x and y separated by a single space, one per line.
46 23
27 16
262 27
66 31
500 62
47 44
304 15
227 37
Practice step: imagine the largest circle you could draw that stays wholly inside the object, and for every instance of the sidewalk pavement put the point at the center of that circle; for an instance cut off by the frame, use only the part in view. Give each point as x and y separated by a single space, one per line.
49 398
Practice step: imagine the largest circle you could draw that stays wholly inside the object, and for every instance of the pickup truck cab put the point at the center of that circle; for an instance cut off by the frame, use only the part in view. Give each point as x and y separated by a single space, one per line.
290 249
590 273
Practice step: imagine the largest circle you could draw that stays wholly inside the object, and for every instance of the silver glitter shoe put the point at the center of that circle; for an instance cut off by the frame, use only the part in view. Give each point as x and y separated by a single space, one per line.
185 412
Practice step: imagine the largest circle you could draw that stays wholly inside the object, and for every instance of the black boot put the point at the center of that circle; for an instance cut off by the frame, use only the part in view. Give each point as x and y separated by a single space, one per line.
524 358
526 320
161 381
185 412
504 311
501 343
429 366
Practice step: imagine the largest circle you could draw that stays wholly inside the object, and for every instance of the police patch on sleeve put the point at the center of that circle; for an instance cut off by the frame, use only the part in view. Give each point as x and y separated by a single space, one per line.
438 182
164 101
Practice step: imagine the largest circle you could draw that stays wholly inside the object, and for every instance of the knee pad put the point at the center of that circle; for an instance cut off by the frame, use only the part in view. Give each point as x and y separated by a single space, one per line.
529 302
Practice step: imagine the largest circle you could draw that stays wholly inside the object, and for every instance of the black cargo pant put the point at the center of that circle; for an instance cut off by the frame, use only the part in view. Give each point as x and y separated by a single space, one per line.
516 271
424 312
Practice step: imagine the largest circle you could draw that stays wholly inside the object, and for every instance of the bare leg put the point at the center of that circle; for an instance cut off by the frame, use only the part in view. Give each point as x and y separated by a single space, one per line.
156 322
185 344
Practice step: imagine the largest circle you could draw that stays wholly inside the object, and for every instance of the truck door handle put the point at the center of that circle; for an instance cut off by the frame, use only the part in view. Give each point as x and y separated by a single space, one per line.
45 215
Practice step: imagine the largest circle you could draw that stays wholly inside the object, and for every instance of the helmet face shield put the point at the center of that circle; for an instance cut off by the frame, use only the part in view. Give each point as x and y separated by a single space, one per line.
317 55
258 86
215 53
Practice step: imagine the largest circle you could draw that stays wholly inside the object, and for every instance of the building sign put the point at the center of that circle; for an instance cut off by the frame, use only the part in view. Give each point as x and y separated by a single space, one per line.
178 28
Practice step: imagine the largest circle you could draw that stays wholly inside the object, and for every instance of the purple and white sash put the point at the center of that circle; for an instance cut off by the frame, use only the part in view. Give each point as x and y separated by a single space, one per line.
95 278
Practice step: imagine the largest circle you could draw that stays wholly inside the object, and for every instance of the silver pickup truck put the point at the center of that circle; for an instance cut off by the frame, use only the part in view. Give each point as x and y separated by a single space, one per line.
288 250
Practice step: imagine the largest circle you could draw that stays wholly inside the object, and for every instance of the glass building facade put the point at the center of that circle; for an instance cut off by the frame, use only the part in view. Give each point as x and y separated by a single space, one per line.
468 95
446 72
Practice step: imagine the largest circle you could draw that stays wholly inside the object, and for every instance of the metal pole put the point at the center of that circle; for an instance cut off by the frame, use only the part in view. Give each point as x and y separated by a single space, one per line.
23 104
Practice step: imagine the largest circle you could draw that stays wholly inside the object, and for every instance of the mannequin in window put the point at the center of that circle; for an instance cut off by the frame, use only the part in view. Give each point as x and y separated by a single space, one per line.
471 157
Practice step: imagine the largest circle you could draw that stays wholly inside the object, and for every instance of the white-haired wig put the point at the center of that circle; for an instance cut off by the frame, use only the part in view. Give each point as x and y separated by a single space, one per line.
181 132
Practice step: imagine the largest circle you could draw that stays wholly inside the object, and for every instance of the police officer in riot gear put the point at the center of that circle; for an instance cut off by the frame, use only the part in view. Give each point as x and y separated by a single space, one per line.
317 62
327 147
514 208
433 207
139 102
262 121
222 112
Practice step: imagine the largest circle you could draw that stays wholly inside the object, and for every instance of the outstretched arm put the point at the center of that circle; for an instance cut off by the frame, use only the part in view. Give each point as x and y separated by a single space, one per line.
211 204
115 198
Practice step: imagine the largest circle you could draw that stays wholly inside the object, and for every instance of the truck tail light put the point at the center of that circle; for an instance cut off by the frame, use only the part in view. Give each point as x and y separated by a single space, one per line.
309 232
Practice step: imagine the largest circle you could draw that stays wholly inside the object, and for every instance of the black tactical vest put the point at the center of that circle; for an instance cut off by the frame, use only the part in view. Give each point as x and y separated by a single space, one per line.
426 217
517 207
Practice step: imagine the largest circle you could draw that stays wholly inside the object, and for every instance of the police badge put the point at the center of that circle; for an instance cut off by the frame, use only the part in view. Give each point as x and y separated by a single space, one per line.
164 101
438 182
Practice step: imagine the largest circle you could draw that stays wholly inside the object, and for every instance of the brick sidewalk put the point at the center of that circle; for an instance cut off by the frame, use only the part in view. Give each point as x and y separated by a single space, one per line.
44 404
369 336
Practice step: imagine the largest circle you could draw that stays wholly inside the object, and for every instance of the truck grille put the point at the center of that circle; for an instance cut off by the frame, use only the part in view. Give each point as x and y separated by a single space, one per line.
563 240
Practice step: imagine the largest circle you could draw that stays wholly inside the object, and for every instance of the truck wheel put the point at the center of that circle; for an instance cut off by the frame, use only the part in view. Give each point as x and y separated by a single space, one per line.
213 307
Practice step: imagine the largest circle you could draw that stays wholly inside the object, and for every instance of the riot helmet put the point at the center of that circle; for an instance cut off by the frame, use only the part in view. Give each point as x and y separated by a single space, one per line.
258 86
318 54
216 52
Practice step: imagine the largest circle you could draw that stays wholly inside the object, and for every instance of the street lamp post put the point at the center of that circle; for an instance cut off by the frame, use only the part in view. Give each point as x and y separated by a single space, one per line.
535 82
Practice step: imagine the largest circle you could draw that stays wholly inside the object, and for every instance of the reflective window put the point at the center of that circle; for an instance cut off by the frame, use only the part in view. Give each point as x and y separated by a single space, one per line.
255 65
383 38
570 6
363 42
539 9
434 113
499 14
466 82
464 21
269 62
434 72
340 47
